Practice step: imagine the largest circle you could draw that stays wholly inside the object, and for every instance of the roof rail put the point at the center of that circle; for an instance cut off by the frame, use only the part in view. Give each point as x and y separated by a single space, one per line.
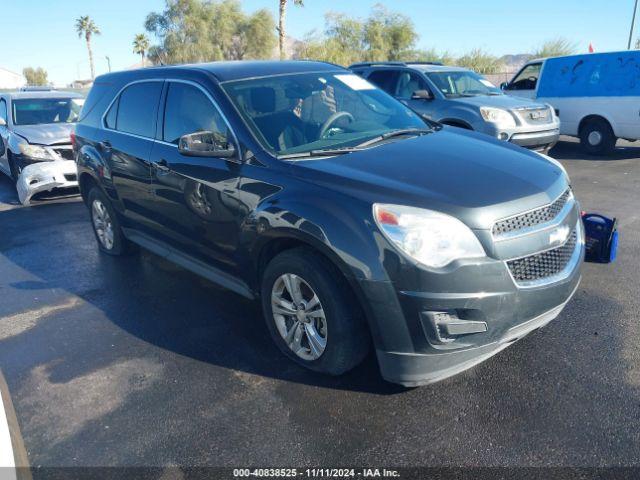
371 64
36 88
393 63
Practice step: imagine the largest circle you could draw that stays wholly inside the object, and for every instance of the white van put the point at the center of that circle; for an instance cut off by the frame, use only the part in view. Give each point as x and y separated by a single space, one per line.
596 95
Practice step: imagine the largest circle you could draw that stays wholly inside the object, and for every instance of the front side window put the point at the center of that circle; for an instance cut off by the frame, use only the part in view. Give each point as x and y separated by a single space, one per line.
189 110
463 83
35 111
527 79
137 106
298 113
408 84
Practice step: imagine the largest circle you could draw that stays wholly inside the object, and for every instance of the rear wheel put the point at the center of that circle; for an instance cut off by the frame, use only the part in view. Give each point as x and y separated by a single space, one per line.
597 137
106 226
311 315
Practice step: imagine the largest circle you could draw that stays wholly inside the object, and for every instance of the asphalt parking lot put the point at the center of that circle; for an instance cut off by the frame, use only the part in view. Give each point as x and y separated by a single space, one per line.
137 362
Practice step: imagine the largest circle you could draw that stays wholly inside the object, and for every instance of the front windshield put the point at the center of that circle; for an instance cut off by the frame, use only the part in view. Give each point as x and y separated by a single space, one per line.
299 113
462 83
34 111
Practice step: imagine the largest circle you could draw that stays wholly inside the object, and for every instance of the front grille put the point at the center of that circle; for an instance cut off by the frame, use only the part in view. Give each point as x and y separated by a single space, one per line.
66 153
532 218
543 265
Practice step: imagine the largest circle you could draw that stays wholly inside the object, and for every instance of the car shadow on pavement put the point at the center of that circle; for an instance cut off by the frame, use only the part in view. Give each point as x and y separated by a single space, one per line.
571 150
153 299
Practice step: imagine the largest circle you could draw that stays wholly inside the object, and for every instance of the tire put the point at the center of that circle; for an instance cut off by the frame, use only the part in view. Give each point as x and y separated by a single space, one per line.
106 226
597 137
345 332
15 169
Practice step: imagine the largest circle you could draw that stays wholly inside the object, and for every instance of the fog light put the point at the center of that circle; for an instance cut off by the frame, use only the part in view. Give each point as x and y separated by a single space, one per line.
443 327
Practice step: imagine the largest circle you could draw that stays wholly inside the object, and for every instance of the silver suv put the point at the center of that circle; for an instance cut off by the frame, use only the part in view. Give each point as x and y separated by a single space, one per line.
462 98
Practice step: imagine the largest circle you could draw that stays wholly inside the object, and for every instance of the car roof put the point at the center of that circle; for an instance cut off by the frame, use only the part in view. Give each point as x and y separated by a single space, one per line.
437 68
236 70
43 94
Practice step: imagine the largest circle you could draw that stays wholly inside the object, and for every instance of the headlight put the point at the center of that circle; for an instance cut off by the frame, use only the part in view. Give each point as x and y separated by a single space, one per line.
431 238
552 110
498 116
36 152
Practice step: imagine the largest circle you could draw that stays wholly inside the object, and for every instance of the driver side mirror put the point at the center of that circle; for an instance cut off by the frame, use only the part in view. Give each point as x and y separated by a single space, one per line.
504 85
206 144
422 95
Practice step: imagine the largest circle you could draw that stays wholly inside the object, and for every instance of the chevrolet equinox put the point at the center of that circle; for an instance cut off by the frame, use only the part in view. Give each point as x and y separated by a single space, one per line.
356 222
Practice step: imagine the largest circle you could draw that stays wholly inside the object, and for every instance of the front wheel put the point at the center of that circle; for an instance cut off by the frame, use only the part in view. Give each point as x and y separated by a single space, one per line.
311 314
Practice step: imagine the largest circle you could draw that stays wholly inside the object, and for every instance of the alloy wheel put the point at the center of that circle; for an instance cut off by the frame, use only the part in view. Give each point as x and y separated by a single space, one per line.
102 224
299 316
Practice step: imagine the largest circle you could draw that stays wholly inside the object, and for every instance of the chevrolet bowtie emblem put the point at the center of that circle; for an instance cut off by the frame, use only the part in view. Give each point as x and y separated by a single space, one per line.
559 235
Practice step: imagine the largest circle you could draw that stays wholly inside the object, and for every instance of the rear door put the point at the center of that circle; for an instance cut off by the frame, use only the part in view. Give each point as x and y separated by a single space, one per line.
127 139
195 198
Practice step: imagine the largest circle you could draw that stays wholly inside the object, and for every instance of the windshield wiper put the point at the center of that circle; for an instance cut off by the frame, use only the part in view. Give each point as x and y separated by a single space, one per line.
395 133
319 153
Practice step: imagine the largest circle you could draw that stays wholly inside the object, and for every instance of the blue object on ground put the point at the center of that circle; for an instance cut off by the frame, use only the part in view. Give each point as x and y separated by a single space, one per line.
601 238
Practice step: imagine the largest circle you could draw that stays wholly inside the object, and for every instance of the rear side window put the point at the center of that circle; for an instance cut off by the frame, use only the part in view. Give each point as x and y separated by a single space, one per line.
137 107
189 110
3 109
385 79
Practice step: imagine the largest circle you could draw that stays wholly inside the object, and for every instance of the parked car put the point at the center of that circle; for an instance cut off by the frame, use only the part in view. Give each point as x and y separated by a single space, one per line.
596 95
351 218
35 130
461 98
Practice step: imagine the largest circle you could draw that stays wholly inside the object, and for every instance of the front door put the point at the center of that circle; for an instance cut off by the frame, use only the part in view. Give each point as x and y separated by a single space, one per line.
196 207
525 83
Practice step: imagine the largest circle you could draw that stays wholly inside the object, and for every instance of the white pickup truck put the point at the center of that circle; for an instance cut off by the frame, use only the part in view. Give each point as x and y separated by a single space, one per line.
596 95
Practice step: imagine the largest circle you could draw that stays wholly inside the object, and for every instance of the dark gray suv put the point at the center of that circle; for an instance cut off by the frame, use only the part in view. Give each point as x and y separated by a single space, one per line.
460 97
354 221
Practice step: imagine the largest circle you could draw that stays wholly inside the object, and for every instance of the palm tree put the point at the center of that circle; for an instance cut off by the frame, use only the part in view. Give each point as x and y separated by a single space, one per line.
281 29
85 26
141 45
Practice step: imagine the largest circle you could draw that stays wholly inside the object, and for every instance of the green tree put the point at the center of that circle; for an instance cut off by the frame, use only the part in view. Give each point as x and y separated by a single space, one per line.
35 76
86 26
558 47
141 45
197 31
481 62
388 35
382 36
282 17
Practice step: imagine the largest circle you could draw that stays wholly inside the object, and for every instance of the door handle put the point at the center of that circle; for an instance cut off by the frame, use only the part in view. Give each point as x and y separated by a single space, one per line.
161 165
105 145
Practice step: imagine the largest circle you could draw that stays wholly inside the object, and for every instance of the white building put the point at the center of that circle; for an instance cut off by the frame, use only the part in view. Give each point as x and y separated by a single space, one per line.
11 80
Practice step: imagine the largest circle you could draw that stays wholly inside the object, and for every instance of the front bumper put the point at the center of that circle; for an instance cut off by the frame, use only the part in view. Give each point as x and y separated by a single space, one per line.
536 140
484 308
44 177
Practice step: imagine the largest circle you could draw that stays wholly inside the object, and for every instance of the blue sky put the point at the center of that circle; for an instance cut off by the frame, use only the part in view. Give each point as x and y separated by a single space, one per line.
40 33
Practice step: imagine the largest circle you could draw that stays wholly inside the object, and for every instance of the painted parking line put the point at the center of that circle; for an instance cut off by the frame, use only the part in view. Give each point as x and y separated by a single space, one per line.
12 451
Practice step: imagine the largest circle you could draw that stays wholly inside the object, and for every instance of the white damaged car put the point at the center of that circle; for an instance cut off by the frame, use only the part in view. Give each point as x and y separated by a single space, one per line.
35 140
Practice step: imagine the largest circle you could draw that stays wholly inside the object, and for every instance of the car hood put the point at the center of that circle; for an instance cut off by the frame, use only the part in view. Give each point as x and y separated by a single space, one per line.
465 174
46 133
498 101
